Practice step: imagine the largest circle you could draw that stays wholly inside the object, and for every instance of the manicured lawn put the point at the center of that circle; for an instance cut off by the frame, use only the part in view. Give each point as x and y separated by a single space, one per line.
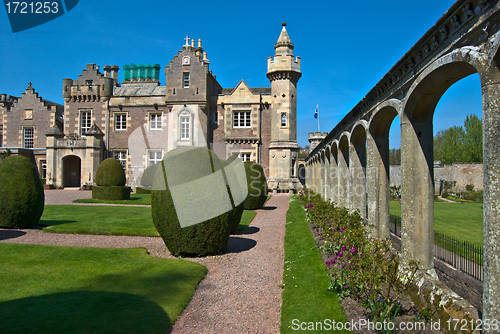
246 219
55 289
94 219
461 220
108 220
305 293
134 199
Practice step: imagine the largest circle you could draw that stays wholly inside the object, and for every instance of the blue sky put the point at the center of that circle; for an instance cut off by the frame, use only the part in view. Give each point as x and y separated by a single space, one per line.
345 48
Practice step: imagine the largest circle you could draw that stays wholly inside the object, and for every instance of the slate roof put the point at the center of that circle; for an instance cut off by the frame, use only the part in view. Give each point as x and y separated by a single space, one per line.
255 91
140 91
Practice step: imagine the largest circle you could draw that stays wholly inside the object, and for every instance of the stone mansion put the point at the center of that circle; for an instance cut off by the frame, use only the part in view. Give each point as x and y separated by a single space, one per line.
138 120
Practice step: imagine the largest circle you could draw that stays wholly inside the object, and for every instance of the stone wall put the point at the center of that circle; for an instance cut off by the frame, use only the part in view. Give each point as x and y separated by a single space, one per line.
462 173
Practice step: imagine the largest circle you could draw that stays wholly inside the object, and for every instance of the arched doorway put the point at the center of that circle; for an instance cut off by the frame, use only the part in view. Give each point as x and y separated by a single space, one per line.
71 171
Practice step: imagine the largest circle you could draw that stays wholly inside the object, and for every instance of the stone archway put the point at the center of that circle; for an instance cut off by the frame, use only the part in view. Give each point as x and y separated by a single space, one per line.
71 171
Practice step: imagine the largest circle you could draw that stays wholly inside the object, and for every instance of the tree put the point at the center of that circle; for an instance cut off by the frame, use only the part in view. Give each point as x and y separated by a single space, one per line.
460 144
395 156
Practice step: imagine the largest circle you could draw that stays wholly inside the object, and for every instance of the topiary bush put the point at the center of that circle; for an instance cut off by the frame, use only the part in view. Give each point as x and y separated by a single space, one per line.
110 173
192 176
21 193
257 186
110 181
147 179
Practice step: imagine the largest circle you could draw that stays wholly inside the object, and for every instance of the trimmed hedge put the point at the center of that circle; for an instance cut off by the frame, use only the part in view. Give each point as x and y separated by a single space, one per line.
187 165
21 193
110 173
147 180
257 186
139 190
111 192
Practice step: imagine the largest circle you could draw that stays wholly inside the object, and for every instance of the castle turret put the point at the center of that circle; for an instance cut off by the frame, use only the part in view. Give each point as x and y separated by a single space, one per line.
283 70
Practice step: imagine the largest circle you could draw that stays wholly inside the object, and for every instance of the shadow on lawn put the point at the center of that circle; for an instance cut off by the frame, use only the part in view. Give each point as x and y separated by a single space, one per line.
10 234
54 222
83 312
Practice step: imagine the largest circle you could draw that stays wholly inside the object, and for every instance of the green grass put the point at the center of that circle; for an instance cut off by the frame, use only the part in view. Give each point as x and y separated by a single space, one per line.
55 289
143 199
305 296
108 220
246 219
460 220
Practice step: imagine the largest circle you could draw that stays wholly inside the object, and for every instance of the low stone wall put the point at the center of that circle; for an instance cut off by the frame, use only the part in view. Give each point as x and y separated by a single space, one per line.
462 173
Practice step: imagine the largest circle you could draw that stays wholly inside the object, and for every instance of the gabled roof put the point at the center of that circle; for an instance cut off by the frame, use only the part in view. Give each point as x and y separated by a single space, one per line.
254 91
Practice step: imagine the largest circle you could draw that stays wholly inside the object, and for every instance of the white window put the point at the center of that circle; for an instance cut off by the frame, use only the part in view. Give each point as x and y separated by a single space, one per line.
28 136
283 120
241 119
244 156
85 122
154 157
185 127
121 156
155 121
120 121
43 173
186 80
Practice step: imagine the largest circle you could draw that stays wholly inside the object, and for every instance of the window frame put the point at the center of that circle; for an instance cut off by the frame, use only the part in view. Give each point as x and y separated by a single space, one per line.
89 121
156 122
284 114
121 159
185 79
238 120
155 160
121 115
32 128
185 127
244 155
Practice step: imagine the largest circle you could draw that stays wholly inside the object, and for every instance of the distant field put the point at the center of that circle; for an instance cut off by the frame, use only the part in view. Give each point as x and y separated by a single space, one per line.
461 220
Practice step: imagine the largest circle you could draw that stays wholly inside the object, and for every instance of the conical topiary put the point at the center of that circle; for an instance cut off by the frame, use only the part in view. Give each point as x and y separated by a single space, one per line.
190 202
257 186
21 193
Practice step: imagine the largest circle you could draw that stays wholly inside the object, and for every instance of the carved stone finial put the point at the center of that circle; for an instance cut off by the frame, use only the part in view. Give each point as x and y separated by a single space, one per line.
284 24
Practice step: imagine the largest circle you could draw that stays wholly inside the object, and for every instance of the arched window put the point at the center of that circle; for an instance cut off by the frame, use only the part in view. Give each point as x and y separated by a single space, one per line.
283 120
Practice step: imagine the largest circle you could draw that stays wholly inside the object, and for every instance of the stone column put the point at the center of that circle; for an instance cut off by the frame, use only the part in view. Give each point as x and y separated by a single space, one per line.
308 174
322 175
491 202
328 181
357 179
343 178
417 235
333 177
377 185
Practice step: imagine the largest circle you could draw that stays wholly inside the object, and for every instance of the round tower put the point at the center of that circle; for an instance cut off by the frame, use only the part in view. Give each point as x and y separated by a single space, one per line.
283 71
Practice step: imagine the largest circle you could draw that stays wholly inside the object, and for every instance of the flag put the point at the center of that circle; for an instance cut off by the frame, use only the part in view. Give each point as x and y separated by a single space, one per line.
316 113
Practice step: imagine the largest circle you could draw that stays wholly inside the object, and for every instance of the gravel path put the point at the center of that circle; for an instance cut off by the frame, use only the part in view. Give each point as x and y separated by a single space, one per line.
239 294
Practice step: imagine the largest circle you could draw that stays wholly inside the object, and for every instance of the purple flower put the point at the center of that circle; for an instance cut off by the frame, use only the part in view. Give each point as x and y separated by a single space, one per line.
349 258
317 230
333 229
335 258
343 265
333 261
327 263
343 248
346 287
353 250
342 229
340 254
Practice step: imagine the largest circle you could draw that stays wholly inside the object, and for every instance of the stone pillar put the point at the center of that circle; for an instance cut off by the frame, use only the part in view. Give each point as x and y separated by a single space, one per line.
417 235
357 179
328 183
491 206
377 185
333 177
343 177
322 175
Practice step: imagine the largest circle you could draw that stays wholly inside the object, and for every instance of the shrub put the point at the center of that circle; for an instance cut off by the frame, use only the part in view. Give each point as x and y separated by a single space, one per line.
257 186
111 192
139 190
110 173
110 181
21 193
189 177
147 179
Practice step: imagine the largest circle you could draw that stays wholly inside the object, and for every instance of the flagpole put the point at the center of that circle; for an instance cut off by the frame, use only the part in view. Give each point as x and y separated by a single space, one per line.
318 122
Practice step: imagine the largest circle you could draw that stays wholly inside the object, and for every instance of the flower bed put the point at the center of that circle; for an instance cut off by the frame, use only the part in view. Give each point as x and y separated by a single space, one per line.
364 272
